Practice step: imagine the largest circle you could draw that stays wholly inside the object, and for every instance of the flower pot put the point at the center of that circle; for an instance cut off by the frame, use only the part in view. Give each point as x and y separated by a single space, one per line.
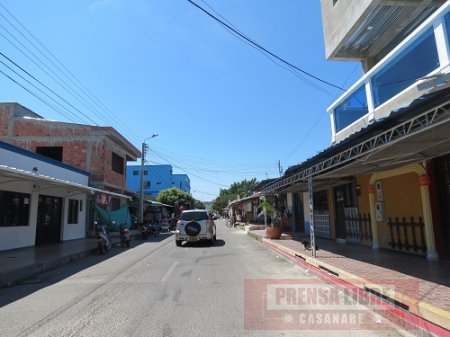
273 232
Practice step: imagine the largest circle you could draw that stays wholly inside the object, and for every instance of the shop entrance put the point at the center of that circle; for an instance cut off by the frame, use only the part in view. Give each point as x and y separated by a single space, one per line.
48 226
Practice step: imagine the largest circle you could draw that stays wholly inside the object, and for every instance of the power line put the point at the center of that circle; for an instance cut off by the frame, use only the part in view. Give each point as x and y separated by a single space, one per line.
35 95
269 57
222 170
257 45
46 102
306 135
184 169
34 78
86 92
210 162
72 77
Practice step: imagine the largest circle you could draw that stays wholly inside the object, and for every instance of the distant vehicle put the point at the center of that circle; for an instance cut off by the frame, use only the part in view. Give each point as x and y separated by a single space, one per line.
194 226
180 206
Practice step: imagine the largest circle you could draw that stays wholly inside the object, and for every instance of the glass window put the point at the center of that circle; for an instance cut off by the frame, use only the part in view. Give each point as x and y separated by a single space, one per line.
416 61
14 209
353 108
320 200
117 163
73 211
194 216
447 26
135 173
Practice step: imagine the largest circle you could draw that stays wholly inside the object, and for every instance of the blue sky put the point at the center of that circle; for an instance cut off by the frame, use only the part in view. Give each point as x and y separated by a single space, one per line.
223 110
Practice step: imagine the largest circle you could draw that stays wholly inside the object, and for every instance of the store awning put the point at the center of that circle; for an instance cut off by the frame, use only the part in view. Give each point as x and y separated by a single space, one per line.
13 172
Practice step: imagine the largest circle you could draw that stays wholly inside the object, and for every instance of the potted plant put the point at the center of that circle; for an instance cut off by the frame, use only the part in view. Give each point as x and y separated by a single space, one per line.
272 218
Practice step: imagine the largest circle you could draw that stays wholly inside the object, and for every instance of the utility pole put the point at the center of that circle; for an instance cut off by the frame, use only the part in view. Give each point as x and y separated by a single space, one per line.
280 168
311 215
141 184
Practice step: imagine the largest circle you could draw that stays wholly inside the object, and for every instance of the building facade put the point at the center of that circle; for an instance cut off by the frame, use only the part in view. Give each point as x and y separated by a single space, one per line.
101 151
42 201
156 178
384 181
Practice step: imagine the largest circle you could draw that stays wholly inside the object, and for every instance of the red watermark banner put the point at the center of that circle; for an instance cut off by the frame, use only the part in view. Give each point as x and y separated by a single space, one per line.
312 304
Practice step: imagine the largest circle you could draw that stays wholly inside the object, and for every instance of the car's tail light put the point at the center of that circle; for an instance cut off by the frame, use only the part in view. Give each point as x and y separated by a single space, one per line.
178 225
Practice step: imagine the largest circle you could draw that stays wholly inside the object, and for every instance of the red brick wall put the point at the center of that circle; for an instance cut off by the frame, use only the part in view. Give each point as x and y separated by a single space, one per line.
92 153
110 175
24 127
5 116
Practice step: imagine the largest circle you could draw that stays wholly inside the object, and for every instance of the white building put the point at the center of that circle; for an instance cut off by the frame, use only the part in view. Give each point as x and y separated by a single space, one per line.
42 201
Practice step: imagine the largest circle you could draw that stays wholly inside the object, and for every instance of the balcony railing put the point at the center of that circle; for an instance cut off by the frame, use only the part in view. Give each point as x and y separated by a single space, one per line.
425 52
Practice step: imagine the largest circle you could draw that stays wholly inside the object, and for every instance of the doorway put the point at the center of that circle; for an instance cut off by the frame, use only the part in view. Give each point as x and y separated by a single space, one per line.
443 177
347 221
340 212
48 226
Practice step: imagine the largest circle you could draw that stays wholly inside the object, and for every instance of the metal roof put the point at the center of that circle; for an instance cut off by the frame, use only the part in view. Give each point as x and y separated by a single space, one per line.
413 134
15 172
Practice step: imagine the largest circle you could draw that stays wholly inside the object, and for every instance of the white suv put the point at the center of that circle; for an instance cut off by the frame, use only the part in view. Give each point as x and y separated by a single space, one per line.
195 225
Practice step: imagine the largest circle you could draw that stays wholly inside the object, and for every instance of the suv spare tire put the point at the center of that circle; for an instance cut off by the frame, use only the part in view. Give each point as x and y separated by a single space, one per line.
192 228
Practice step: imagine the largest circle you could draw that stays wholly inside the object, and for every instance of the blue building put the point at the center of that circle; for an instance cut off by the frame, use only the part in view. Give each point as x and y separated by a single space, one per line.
156 179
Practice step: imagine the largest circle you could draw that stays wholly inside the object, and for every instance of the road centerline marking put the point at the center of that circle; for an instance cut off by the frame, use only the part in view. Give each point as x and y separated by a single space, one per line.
167 274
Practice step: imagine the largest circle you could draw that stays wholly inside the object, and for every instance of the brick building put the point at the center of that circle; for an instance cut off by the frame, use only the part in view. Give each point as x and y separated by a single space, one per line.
101 151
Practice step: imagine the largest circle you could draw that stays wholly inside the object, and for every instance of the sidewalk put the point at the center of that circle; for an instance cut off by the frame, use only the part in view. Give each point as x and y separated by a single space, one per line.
19 264
420 286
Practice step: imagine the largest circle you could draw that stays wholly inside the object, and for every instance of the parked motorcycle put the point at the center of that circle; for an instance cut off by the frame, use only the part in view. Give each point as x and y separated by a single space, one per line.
149 230
145 231
102 238
156 228
124 236
172 224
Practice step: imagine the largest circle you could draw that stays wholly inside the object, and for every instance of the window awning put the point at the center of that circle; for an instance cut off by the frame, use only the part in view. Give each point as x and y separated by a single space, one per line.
28 175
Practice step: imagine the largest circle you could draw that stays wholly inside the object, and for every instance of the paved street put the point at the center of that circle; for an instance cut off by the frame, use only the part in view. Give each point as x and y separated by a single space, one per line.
158 289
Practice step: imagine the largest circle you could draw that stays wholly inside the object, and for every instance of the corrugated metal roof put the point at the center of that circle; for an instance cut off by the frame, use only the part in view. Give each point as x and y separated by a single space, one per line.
12 171
415 108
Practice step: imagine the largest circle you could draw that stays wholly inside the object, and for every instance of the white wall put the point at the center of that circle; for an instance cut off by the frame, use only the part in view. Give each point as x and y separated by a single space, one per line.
78 230
25 236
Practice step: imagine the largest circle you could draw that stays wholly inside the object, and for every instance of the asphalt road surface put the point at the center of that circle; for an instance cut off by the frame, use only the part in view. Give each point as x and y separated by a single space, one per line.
235 288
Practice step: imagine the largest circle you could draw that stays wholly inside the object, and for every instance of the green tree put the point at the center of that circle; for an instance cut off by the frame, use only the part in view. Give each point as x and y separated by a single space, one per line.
199 204
240 189
171 195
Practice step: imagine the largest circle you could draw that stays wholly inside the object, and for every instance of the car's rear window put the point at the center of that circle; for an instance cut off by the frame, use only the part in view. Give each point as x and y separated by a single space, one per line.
194 216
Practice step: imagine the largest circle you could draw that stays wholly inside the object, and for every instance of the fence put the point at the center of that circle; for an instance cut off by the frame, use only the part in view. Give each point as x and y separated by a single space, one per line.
407 235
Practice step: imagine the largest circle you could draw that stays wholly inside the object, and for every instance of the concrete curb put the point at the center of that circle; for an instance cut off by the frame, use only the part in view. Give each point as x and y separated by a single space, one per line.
11 277
422 309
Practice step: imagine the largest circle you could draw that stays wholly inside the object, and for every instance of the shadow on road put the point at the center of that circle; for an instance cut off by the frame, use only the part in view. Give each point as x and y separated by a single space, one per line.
202 244
40 281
